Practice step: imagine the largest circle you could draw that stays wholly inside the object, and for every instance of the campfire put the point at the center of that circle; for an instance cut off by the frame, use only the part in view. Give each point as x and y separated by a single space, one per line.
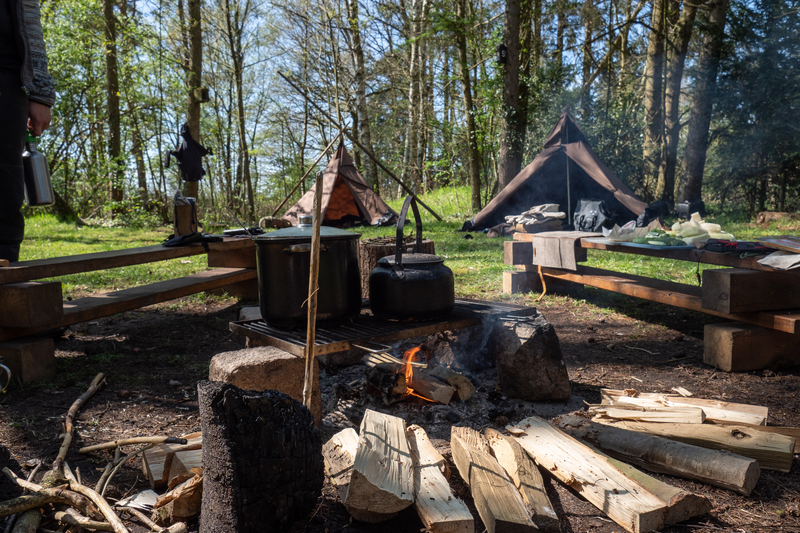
402 379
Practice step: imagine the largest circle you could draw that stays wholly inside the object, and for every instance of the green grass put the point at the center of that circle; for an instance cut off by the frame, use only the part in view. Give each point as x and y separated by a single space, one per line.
477 262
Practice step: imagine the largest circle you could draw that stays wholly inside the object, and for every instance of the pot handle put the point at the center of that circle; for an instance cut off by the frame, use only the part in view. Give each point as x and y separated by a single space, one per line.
401 222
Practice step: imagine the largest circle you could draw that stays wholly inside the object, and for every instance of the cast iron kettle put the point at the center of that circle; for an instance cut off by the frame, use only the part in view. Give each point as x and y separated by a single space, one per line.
412 286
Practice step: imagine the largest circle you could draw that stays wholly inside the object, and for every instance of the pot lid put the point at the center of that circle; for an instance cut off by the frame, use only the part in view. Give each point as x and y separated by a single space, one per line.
412 259
304 231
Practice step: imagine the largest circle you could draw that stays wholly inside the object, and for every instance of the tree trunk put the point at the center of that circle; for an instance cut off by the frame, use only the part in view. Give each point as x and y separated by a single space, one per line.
690 187
466 88
262 460
112 101
370 169
194 73
676 59
234 20
653 97
587 14
510 157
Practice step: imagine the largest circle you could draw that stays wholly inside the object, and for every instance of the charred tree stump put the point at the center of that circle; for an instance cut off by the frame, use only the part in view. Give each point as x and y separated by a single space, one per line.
371 250
262 460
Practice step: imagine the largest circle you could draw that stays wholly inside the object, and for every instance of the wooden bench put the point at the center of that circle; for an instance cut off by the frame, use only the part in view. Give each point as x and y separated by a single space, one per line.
764 304
28 307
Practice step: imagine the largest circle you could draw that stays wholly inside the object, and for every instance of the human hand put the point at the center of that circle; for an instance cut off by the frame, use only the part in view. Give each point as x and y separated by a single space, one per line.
38 117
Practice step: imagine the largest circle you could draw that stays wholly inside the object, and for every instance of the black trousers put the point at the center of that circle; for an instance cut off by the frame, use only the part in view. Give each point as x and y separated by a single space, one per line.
14 116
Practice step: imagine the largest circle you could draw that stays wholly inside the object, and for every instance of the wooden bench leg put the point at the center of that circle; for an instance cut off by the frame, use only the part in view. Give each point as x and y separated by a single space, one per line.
739 347
30 304
523 281
29 358
244 258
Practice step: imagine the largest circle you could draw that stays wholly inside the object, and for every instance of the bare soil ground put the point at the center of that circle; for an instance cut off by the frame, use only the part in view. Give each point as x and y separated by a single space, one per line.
154 357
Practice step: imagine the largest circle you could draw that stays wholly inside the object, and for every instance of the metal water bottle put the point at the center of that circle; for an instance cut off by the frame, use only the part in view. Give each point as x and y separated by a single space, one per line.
38 187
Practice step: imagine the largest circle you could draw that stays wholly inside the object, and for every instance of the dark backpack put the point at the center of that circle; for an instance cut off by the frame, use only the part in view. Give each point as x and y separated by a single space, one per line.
686 209
656 210
591 215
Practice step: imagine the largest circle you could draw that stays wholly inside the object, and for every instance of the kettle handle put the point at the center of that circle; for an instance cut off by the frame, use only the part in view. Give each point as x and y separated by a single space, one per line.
401 222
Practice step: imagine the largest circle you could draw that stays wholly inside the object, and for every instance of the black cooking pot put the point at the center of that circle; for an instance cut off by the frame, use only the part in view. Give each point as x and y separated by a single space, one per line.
412 286
283 261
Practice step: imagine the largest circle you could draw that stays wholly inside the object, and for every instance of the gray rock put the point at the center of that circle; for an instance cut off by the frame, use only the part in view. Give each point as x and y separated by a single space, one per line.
267 368
529 361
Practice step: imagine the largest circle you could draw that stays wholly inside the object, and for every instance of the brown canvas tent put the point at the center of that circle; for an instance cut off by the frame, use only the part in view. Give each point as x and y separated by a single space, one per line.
566 170
346 198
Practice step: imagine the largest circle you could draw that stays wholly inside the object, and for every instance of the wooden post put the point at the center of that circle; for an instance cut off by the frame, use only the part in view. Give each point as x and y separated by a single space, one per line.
739 347
313 287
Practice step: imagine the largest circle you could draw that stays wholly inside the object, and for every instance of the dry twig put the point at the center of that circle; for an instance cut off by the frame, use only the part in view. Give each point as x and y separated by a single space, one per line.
68 429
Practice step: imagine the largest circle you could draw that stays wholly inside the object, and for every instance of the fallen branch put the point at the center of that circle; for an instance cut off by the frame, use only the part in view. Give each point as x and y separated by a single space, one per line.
101 503
68 519
76 500
134 440
28 522
177 527
13 518
68 429
40 498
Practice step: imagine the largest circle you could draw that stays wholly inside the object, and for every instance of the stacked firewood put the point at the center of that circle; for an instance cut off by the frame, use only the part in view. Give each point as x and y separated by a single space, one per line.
387 467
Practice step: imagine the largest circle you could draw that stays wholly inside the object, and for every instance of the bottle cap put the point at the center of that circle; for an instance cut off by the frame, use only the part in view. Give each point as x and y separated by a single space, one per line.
30 137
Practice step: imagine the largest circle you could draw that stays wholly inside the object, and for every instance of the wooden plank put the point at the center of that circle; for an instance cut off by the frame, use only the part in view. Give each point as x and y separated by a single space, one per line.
681 504
716 411
739 347
439 510
339 455
182 464
156 461
517 253
739 290
382 483
682 414
526 478
671 293
682 254
721 469
74 264
781 430
591 475
772 451
101 305
499 505
30 304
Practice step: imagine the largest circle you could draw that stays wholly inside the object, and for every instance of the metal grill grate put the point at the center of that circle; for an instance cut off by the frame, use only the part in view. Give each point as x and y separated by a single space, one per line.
366 328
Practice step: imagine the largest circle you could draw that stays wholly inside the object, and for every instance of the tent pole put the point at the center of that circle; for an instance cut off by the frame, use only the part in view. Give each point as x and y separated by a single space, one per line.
569 200
306 174
363 149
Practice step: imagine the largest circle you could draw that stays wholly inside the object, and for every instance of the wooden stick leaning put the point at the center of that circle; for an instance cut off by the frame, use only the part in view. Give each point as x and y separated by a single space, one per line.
58 464
363 148
314 164
313 287
134 440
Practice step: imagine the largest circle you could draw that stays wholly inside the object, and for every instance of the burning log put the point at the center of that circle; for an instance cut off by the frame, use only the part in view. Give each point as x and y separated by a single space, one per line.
590 474
499 504
526 477
391 383
381 483
721 469
435 383
438 508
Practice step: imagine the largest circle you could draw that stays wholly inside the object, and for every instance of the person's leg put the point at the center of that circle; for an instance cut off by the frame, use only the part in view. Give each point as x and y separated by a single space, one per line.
14 110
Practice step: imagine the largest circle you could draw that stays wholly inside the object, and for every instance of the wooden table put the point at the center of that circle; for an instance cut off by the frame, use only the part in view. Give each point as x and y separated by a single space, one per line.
763 304
29 307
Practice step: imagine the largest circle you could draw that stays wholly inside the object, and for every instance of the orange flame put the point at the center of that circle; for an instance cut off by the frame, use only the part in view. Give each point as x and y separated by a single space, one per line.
408 370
